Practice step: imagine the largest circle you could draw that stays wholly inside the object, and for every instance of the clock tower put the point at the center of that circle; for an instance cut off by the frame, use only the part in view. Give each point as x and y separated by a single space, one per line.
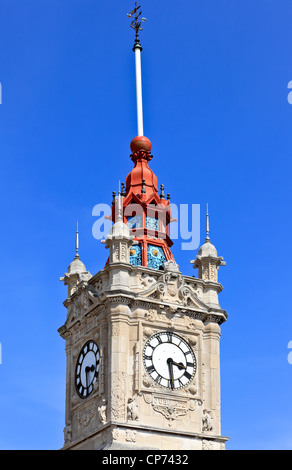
142 339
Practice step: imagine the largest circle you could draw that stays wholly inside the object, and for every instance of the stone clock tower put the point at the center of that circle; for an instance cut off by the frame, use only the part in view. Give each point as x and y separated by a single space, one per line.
142 339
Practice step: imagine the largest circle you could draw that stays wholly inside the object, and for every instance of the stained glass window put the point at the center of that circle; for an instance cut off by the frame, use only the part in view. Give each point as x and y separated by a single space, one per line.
136 255
156 256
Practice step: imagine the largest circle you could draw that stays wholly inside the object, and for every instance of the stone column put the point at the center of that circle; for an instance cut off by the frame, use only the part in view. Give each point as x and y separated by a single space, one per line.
211 361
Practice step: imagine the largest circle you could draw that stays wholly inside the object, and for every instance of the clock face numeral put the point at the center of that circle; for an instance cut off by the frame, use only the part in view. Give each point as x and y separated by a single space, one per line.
169 360
87 369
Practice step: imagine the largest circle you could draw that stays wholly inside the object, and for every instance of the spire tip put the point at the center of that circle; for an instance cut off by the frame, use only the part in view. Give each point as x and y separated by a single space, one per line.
207 225
77 241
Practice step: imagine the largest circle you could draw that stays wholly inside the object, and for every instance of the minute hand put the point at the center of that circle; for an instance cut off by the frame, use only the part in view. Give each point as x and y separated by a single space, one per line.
170 364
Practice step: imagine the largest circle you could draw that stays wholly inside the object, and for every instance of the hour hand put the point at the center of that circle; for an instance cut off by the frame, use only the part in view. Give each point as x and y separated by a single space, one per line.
87 370
179 365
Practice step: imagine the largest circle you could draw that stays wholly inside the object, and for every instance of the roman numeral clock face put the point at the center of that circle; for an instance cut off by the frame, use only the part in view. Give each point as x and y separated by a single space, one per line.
87 368
169 360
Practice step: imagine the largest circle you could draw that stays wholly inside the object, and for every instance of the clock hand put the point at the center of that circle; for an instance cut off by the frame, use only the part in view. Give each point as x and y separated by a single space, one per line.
87 370
170 368
179 365
86 375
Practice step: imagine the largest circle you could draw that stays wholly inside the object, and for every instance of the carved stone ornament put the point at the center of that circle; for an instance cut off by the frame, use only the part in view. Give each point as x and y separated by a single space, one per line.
118 396
191 389
132 410
75 399
207 445
151 315
146 281
84 298
86 417
131 436
148 332
147 382
67 434
102 412
170 408
172 288
115 434
207 421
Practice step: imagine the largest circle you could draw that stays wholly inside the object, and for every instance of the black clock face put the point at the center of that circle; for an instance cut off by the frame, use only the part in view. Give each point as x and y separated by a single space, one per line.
169 360
87 368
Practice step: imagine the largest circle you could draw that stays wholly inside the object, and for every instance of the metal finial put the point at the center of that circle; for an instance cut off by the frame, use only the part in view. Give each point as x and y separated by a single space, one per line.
77 242
137 21
207 225
162 196
120 204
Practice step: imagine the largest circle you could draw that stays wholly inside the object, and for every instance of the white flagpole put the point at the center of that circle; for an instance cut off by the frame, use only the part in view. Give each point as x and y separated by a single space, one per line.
136 25
137 49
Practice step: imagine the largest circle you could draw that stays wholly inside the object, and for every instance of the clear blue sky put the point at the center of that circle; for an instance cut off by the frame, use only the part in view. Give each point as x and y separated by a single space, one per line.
215 77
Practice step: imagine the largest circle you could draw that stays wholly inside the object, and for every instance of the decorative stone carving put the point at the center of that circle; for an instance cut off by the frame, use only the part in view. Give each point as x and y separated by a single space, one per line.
207 421
207 445
191 389
171 287
148 332
170 408
118 396
131 436
171 266
205 273
213 273
132 410
86 417
75 399
147 382
151 314
116 251
68 434
169 412
102 412
146 281
115 434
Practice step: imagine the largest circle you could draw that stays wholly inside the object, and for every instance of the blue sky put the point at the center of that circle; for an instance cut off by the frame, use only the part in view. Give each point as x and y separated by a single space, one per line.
215 78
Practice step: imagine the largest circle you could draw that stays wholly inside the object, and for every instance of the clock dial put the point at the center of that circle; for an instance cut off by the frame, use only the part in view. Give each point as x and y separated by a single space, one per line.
87 368
169 360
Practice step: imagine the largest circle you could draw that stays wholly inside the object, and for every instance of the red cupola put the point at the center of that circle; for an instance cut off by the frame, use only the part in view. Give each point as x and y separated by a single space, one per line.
147 213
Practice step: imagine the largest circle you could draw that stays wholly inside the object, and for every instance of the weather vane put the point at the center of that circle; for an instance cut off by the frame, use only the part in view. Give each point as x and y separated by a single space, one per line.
137 20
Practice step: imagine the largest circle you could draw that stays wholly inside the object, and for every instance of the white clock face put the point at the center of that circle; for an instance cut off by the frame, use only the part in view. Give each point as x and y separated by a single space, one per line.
87 368
169 360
